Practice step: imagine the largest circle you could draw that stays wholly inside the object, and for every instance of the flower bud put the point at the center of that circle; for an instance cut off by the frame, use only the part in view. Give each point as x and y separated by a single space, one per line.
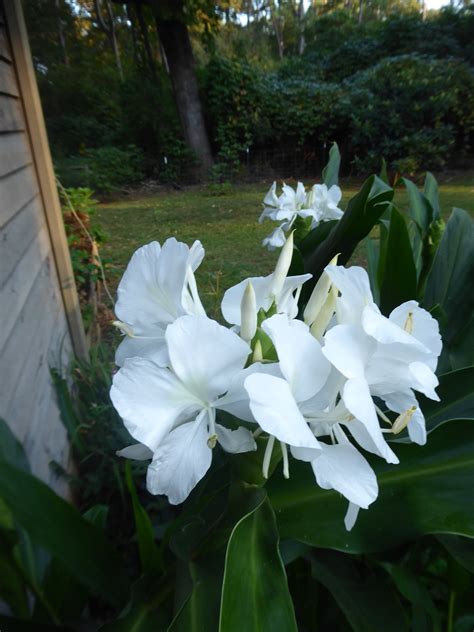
257 352
326 312
282 266
248 310
318 296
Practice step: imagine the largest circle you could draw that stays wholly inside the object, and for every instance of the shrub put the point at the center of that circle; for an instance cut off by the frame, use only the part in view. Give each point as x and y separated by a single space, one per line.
104 169
411 107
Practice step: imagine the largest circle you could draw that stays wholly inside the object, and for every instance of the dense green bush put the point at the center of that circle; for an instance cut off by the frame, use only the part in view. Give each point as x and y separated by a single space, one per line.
411 107
104 169
415 110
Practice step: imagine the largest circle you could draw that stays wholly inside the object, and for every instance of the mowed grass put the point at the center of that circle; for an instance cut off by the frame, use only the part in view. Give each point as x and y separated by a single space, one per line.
226 224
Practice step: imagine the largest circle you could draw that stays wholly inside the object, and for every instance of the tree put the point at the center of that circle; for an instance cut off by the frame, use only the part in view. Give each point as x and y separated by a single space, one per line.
173 33
109 28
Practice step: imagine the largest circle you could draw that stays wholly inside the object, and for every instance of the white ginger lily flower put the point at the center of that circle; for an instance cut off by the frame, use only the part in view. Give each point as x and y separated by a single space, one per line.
288 408
324 202
276 288
320 204
172 411
157 287
379 356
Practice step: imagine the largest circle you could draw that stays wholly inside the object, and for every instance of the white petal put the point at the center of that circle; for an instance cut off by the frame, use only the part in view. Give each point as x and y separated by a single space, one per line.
205 355
271 198
301 360
354 286
335 194
276 411
151 288
387 332
196 255
349 349
359 403
150 400
424 380
137 452
276 239
351 516
235 441
181 461
287 301
264 298
423 326
154 348
343 468
233 297
236 400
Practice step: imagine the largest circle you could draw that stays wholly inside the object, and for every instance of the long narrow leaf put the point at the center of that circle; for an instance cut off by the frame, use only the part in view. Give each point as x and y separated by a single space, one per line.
430 491
55 525
255 595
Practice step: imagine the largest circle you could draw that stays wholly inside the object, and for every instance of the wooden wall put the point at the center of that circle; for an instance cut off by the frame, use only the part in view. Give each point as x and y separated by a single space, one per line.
40 322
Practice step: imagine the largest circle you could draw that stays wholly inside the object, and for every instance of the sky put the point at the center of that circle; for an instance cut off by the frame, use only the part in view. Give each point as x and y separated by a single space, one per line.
436 4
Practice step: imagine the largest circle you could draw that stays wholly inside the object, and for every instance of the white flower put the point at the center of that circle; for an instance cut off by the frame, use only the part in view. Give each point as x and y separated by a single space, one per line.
379 356
289 407
275 289
157 287
324 202
320 204
172 411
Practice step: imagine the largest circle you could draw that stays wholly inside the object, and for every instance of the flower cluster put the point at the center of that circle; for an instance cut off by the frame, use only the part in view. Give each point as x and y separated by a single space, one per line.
320 389
320 204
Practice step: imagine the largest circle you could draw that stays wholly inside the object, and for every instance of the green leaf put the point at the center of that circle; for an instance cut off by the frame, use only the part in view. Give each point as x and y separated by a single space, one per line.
200 611
363 212
149 554
255 595
450 282
418 595
330 173
383 175
147 610
55 525
398 277
367 599
11 449
431 193
461 549
372 266
456 394
419 207
430 491
12 581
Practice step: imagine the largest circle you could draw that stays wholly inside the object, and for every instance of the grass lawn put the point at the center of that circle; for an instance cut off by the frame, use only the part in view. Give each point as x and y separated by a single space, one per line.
226 225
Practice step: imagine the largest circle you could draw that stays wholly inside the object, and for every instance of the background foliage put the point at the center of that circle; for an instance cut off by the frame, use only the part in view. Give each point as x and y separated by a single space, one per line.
277 84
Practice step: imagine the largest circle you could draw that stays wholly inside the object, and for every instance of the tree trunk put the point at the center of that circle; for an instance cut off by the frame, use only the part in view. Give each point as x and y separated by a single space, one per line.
174 38
301 21
110 30
62 39
146 40
361 11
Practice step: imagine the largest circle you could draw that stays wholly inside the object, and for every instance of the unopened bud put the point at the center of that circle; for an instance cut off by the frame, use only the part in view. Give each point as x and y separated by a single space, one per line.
402 421
322 320
318 296
257 352
248 311
282 267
